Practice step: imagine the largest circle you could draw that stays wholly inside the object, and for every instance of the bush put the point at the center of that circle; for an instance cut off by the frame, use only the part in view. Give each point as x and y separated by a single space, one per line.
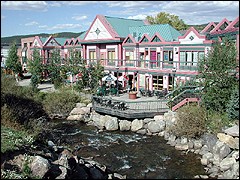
60 102
190 121
217 121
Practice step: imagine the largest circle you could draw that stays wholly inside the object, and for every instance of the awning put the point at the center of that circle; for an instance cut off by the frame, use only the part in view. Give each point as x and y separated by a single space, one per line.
109 77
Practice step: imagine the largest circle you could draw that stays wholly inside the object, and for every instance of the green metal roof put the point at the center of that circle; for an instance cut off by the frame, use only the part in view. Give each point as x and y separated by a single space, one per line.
61 40
121 25
166 31
43 40
82 35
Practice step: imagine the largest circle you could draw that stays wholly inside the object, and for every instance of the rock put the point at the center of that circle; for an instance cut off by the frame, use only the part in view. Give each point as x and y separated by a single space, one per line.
79 105
156 126
136 125
89 105
63 174
39 166
227 163
229 140
233 131
100 122
77 111
50 144
209 140
197 144
75 117
125 125
87 110
141 131
147 120
181 147
119 176
221 149
112 124
159 117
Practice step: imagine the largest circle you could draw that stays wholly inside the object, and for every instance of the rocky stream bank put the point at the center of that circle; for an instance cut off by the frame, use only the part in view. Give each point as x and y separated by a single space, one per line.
45 159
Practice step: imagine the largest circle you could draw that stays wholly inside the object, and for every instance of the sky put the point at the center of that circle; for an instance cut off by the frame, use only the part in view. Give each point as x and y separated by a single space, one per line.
34 17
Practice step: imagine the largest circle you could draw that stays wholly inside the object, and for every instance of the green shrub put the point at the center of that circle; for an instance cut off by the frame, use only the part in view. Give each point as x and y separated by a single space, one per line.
191 121
60 102
217 121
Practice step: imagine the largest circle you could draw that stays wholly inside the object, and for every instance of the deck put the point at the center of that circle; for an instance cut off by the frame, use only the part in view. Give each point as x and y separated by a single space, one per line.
123 107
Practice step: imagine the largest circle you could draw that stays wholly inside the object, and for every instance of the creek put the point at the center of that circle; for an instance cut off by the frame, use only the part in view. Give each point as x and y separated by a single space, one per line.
134 155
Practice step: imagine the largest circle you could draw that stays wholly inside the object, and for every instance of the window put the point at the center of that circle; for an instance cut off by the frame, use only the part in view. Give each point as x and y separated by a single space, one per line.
111 54
158 82
92 54
190 58
129 55
168 56
25 45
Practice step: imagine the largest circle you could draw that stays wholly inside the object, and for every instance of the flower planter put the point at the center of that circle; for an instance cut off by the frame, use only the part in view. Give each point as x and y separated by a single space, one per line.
132 95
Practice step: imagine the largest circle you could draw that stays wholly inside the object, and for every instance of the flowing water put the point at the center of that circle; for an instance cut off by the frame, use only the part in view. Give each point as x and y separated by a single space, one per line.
127 153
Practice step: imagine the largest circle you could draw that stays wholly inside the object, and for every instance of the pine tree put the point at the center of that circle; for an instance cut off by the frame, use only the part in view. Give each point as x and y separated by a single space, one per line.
35 68
233 105
216 72
12 61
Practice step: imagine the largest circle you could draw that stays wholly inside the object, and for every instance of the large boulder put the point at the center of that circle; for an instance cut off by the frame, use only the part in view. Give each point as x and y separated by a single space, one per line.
125 125
112 124
229 140
39 166
136 125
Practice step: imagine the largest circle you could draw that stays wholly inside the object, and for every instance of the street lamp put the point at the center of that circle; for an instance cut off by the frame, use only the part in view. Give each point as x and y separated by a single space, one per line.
117 68
173 75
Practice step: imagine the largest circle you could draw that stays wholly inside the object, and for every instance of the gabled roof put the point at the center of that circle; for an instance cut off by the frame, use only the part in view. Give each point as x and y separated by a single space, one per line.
224 21
166 31
121 25
192 29
145 37
157 35
43 39
233 23
61 41
82 35
209 27
130 38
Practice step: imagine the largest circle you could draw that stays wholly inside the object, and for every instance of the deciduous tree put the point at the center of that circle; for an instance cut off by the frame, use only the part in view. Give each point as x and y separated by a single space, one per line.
166 18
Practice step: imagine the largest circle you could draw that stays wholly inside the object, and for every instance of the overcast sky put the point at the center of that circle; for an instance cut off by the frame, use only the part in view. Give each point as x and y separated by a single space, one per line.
33 17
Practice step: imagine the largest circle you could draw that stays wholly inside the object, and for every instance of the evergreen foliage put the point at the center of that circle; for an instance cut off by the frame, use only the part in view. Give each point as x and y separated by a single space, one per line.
35 68
54 68
233 105
12 61
217 74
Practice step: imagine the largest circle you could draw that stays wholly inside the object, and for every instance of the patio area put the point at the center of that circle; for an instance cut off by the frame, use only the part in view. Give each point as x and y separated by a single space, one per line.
124 107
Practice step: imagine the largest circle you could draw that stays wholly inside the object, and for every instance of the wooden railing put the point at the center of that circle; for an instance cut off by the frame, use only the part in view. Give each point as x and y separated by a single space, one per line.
187 95
129 109
146 64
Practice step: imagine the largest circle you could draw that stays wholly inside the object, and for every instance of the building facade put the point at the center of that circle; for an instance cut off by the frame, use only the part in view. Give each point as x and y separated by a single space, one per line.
152 57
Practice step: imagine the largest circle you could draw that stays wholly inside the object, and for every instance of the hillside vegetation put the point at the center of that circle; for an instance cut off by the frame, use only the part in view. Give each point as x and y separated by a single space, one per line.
17 39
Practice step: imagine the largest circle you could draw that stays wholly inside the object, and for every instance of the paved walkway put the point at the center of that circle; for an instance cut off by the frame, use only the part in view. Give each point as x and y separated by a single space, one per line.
46 87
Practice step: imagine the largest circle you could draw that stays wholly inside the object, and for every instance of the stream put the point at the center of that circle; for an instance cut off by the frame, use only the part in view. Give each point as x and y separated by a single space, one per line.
134 155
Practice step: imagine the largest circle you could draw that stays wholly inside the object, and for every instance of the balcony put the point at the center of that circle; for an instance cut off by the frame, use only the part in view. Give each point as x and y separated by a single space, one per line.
147 64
